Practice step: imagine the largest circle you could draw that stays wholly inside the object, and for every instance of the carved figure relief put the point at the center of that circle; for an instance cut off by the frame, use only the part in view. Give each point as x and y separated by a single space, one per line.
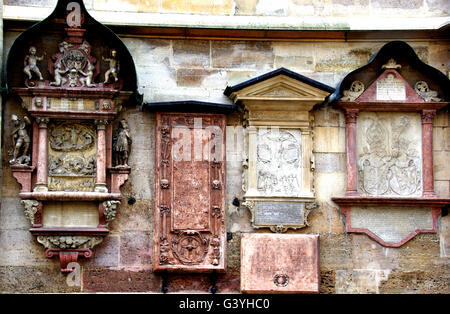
31 209
279 162
421 88
114 67
31 67
73 66
122 144
389 162
20 140
72 157
110 209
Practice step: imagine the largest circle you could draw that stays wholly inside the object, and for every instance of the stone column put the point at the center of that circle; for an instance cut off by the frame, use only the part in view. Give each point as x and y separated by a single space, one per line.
100 184
350 133
427 152
42 159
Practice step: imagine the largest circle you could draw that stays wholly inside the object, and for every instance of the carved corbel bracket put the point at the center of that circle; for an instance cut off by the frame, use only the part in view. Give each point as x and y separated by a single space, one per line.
23 176
119 175
68 256
68 248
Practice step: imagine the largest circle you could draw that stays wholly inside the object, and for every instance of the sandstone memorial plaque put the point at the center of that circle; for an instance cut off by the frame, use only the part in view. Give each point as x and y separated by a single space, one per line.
389 141
69 154
279 164
279 263
189 192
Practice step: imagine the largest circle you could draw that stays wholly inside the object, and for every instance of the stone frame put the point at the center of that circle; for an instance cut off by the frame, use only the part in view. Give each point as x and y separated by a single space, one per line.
205 238
280 99
353 98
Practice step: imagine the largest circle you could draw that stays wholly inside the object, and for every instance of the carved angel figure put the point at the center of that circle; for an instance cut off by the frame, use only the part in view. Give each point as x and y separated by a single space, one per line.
30 64
87 80
113 67
59 80
21 141
122 144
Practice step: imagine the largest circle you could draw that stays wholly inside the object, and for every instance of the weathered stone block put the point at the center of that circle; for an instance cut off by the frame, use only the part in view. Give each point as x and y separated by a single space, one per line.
191 53
242 55
441 166
325 190
329 163
329 140
135 248
442 188
328 117
360 280
336 251
245 7
138 216
104 254
34 279
139 279
441 138
367 254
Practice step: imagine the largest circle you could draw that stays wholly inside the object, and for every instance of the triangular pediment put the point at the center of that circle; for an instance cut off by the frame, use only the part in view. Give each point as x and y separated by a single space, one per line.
390 86
281 87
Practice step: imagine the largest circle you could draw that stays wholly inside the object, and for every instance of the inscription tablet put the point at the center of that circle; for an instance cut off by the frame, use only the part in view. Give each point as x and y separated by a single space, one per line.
391 88
279 213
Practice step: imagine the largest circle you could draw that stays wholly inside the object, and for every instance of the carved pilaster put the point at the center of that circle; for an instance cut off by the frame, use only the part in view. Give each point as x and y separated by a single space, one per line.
100 184
42 162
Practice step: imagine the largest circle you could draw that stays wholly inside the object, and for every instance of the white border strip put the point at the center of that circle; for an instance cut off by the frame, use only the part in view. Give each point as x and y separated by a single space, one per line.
239 22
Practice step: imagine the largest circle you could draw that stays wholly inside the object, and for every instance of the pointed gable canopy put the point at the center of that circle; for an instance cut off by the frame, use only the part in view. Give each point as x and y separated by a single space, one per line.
423 83
280 85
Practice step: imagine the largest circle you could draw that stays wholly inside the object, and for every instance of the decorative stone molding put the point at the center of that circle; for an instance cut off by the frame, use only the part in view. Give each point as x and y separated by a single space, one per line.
278 176
389 140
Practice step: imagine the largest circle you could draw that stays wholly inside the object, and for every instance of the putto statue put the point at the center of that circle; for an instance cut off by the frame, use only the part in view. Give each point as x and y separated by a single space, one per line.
30 64
122 144
114 67
20 140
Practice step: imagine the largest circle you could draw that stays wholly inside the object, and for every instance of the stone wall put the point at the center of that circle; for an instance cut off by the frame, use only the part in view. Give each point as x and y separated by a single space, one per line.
175 69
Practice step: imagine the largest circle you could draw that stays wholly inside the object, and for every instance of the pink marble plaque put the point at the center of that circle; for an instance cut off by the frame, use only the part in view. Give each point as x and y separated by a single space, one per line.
189 192
279 263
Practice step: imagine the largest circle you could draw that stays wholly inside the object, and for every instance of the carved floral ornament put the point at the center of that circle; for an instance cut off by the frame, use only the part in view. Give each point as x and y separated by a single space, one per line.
68 147
389 134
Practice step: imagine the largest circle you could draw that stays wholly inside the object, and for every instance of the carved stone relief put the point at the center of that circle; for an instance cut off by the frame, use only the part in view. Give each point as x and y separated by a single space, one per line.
31 209
421 87
72 156
356 89
389 154
189 224
279 162
20 141
69 242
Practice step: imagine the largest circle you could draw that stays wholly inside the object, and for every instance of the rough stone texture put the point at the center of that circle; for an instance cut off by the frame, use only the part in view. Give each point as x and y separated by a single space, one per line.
135 248
139 279
34 279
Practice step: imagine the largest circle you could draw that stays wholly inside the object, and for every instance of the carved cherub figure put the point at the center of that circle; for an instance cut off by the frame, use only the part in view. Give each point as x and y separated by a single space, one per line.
87 80
59 80
30 64
122 144
113 67
20 140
